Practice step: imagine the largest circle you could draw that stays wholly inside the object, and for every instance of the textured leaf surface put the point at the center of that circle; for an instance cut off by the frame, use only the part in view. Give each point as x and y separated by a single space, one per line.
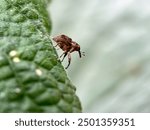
31 77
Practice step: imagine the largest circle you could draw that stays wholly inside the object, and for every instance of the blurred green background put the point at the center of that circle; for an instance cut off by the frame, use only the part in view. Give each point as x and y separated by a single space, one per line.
114 76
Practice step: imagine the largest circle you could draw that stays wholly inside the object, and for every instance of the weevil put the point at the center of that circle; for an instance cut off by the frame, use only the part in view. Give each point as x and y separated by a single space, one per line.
68 46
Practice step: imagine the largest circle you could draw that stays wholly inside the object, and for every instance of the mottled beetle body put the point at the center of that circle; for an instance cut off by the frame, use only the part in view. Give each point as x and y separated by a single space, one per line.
68 46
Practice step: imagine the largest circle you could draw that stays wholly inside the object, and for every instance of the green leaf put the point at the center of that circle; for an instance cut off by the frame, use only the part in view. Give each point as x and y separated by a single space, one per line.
31 77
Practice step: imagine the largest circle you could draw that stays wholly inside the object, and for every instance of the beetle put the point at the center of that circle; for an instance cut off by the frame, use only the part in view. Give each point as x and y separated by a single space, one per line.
68 46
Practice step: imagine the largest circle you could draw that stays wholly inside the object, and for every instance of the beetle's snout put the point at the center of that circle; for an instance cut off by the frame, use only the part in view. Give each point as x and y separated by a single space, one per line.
79 53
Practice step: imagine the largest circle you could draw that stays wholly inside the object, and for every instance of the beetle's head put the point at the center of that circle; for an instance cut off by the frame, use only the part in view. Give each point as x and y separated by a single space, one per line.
78 49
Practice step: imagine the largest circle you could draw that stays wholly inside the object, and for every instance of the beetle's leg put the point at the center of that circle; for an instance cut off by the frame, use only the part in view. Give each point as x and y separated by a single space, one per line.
69 60
63 56
69 57
60 56
64 53
56 45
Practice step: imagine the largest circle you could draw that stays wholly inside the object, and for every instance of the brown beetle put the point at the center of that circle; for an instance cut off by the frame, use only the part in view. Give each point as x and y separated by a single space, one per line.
68 46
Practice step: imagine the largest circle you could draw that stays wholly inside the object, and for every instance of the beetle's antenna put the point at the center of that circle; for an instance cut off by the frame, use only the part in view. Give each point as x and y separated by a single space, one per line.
83 53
